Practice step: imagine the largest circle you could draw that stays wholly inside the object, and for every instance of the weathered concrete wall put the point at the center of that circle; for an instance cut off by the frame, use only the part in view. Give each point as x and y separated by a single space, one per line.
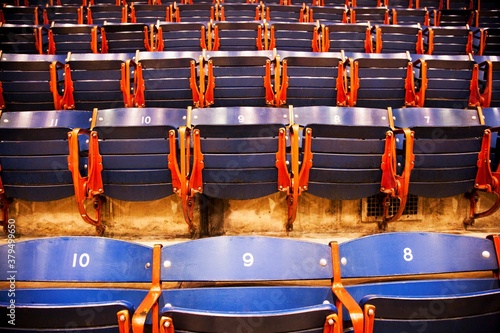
164 218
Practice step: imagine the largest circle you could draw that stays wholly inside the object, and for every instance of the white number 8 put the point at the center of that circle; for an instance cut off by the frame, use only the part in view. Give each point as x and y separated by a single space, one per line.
408 256
247 259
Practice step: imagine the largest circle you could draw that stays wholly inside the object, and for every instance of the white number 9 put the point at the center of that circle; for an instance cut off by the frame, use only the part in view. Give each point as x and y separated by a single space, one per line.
247 259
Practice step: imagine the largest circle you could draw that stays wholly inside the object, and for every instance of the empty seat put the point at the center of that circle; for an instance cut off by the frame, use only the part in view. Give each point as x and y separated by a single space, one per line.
126 38
74 38
453 17
181 36
398 38
490 42
399 3
235 151
294 36
380 80
447 40
63 14
20 15
447 81
368 3
237 36
369 15
488 18
239 78
349 37
286 14
169 79
18 38
240 12
489 79
446 146
67 306
150 14
410 16
97 81
327 14
30 82
34 154
99 14
312 79
300 308
136 146
454 302
198 13
430 4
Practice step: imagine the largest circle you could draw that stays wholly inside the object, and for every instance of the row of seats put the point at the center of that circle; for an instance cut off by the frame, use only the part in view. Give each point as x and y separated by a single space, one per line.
431 4
248 36
173 12
322 298
240 153
240 78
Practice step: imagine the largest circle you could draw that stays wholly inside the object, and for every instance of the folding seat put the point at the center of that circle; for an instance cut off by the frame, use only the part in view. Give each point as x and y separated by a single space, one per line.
448 81
446 147
97 81
350 37
453 17
34 155
415 299
410 16
489 79
459 4
487 4
368 3
169 79
327 15
294 36
490 41
285 14
150 14
369 15
239 78
349 153
181 36
380 80
63 15
28 39
271 306
75 38
400 4
488 18
240 12
98 15
137 149
194 13
310 78
53 270
430 4
20 15
330 3
126 37
30 82
399 38
448 40
237 36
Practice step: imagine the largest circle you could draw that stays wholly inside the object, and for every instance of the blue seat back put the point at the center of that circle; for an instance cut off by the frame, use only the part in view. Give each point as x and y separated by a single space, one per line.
34 153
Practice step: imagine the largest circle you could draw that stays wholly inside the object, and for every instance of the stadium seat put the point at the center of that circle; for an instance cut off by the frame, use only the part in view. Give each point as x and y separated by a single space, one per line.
398 38
150 14
285 14
194 13
241 12
294 36
74 38
453 17
349 153
99 14
66 262
310 78
446 144
399 4
27 39
169 79
181 36
448 81
430 4
327 14
126 37
369 15
417 300
237 36
380 80
489 79
410 16
20 15
63 15
348 37
239 78
490 41
134 153
488 18
448 40
268 308
98 81
34 153
30 82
